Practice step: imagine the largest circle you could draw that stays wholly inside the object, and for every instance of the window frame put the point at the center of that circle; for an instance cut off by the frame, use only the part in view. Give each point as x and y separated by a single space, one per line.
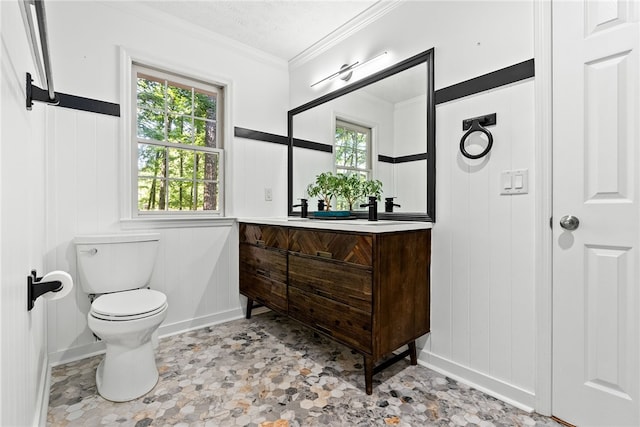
130 217
358 127
154 73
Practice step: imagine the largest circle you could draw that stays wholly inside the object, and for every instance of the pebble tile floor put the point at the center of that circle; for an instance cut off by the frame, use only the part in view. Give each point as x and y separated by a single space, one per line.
270 371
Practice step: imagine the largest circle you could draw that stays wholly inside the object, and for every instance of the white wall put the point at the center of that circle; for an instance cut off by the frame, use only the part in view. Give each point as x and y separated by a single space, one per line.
482 288
23 356
197 266
410 136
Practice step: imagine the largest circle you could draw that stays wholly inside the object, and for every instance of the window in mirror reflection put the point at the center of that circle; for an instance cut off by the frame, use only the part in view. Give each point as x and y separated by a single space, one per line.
353 153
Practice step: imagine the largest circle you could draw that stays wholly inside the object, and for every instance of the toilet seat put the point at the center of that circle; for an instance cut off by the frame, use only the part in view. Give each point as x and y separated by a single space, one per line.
128 305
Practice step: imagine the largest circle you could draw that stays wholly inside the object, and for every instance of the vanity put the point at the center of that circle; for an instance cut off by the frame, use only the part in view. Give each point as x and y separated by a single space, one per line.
363 284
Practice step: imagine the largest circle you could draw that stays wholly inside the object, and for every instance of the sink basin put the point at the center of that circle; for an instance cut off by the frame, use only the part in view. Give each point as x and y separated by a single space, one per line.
353 221
379 222
358 222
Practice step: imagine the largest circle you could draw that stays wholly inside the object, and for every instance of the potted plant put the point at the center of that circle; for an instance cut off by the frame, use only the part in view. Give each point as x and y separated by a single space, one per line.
324 187
353 187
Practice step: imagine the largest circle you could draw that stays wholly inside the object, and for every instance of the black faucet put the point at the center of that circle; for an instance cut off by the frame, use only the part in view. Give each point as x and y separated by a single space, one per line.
373 208
304 208
320 205
388 204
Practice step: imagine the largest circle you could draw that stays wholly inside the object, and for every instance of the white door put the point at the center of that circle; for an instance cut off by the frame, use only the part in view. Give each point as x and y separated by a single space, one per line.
596 178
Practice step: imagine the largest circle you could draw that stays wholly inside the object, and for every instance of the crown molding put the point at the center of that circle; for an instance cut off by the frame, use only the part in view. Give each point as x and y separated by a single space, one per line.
370 15
148 13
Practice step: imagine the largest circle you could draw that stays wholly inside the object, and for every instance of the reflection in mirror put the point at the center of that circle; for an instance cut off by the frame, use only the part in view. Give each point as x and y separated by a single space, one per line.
382 130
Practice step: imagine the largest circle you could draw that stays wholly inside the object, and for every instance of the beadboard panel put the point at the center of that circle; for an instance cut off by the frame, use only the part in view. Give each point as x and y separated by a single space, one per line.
482 289
23 355
259 165
196 267
483 263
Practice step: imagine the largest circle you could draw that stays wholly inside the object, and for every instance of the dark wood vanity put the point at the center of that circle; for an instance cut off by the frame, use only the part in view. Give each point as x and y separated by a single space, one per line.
368 290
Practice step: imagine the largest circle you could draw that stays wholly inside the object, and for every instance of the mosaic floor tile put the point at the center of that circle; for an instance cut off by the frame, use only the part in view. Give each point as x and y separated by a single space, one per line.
270 371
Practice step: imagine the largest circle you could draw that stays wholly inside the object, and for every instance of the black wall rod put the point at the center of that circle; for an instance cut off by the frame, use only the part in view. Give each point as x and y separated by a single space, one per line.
495 79
257 135
41 16
48 95
34 93
403 159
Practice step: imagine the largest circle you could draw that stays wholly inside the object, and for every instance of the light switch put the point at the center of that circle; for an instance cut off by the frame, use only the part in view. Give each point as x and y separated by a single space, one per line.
506 180
514 181
517 178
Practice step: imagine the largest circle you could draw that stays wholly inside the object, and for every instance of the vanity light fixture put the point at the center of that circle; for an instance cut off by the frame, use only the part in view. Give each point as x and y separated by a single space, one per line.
346 71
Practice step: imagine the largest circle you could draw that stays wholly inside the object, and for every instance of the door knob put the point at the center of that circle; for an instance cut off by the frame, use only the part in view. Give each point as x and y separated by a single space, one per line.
569 222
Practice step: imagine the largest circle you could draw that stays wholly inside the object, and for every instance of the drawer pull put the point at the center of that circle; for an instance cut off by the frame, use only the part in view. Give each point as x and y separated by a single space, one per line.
259 242
324 254
323 329
261 272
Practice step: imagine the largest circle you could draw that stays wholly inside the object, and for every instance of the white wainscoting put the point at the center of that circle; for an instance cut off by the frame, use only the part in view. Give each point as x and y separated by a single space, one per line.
483 288
196 266
23 356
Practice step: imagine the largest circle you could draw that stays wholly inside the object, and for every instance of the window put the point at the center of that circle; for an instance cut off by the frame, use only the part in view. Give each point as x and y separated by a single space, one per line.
353 152
179 140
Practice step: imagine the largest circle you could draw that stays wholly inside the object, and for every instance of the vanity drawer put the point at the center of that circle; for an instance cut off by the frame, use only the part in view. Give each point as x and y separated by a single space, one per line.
346 324
352 248
264 235
264 262
348 284
263 276
265 291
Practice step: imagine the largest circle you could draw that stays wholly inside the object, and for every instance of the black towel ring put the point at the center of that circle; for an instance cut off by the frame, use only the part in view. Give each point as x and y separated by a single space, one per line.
476 127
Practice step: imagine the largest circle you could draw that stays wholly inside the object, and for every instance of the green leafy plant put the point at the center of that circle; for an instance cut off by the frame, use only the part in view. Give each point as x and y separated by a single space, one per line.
347 188
372 187
324 187
353 187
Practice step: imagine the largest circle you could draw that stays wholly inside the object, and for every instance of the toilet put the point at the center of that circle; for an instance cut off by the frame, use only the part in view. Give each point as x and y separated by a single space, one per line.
114 269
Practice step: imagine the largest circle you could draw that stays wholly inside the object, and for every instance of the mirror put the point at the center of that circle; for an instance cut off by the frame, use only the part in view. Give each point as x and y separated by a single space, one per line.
382 126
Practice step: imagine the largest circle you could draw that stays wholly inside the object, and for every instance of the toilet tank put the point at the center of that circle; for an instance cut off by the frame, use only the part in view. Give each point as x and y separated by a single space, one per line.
115 262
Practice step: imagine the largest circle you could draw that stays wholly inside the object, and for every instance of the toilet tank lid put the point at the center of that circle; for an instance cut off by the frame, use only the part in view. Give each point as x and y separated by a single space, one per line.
116 238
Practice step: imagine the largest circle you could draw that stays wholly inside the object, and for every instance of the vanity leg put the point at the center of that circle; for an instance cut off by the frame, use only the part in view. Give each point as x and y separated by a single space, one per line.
368 374
249 307
413 353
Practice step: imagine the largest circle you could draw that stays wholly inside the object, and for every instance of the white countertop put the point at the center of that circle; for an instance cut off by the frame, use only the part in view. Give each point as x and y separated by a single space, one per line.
360 225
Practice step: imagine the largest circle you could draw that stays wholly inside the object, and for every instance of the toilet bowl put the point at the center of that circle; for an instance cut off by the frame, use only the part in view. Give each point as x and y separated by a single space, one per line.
114 270
128 369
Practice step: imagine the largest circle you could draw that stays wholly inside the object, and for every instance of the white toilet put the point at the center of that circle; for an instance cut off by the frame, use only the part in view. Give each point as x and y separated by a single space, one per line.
114 269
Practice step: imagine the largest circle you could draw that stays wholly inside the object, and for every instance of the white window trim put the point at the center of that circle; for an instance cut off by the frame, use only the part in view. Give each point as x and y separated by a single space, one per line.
373 144
129 146
357 127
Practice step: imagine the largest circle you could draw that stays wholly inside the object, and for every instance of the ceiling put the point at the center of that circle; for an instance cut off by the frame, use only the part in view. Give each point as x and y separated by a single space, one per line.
283 28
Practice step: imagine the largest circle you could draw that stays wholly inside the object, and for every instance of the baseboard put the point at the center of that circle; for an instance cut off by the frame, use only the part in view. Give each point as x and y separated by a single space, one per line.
76 353
513 395
165 330
42 402
200 322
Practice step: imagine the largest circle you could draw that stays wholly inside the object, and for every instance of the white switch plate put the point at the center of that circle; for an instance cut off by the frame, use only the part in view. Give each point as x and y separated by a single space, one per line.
514 181
268 194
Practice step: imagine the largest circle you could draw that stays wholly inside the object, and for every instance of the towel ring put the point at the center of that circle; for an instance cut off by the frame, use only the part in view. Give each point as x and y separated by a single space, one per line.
476 127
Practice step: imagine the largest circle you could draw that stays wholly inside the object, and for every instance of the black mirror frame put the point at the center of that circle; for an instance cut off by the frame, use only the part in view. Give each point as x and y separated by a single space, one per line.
424 57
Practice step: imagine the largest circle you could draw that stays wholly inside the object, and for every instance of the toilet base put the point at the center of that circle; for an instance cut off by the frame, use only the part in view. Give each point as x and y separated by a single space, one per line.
125 373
